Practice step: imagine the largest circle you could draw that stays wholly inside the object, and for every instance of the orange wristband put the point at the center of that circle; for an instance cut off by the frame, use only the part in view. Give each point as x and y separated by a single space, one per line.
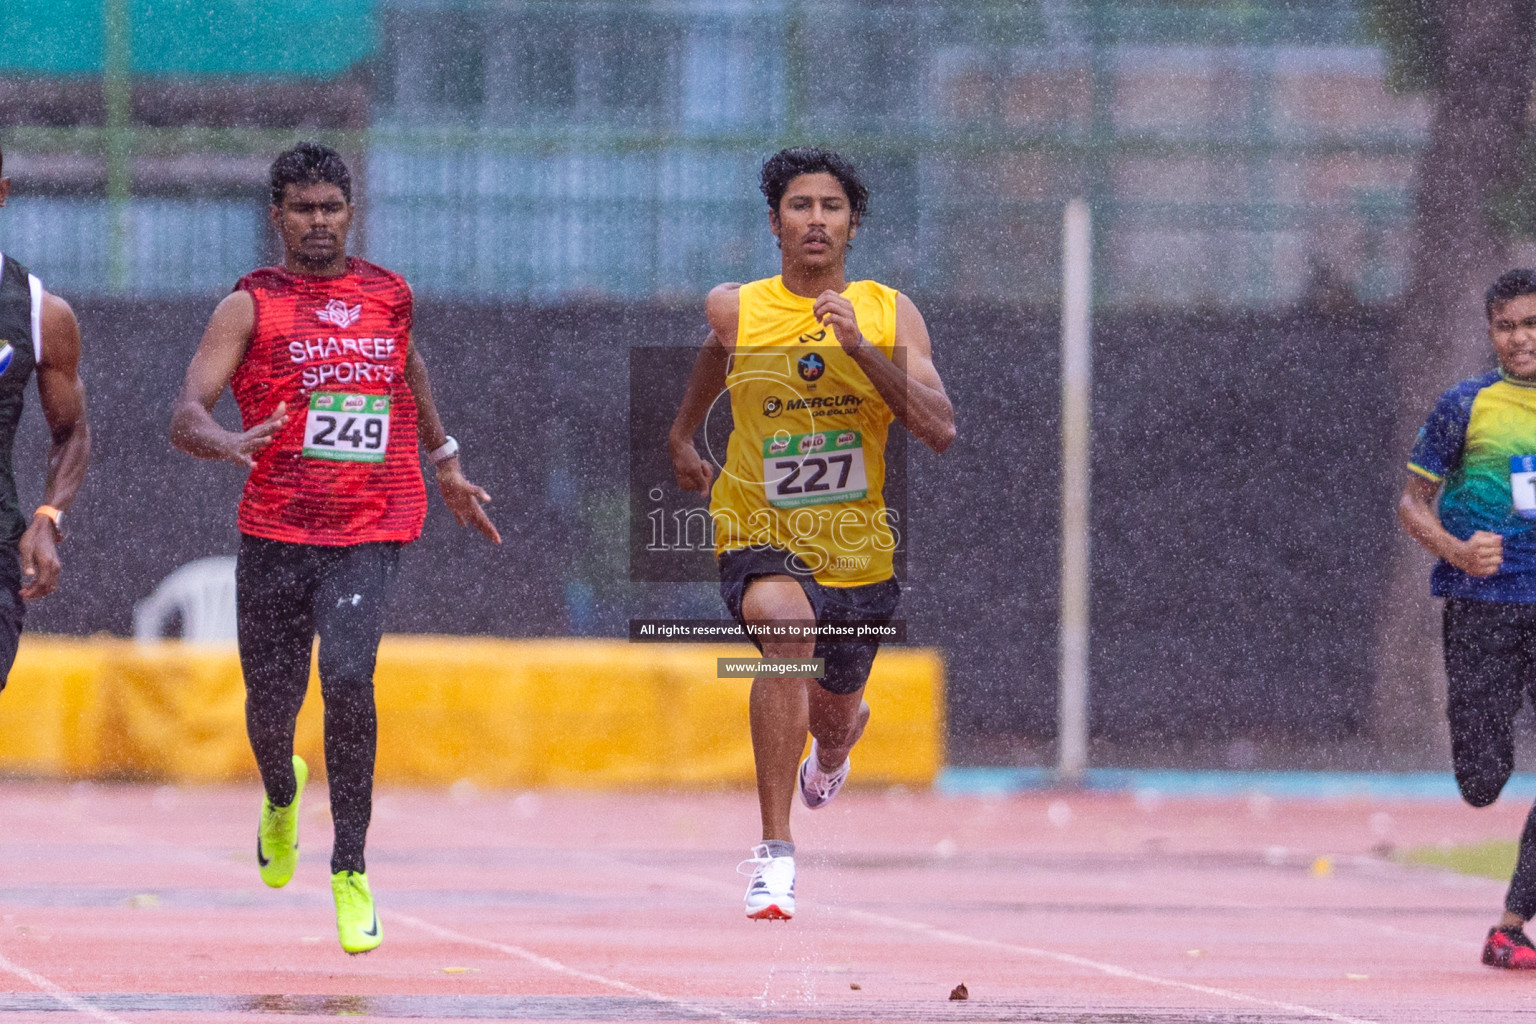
53 515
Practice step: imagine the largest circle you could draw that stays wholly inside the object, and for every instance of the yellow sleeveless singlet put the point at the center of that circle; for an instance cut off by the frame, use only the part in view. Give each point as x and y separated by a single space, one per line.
806 460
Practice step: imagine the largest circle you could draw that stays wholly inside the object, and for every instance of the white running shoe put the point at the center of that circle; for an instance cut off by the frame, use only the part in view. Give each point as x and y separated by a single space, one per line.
817 788
771 894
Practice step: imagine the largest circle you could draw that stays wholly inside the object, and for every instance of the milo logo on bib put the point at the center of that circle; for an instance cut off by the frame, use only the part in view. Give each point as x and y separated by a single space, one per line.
817 468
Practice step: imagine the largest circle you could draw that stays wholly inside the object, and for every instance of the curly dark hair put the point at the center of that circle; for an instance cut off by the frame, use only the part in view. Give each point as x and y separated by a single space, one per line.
309 163
788 164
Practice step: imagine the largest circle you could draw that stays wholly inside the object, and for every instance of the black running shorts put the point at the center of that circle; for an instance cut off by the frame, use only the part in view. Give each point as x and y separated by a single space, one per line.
847 661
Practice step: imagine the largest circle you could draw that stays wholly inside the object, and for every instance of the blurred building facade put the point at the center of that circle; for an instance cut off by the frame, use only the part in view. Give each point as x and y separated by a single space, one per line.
1236 155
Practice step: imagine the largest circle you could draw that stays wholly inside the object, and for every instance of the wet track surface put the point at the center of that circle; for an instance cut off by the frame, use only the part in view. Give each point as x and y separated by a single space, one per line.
133 904
597 1008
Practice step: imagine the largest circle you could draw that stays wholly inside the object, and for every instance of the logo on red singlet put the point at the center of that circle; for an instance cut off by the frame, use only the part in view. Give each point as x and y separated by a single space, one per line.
339 313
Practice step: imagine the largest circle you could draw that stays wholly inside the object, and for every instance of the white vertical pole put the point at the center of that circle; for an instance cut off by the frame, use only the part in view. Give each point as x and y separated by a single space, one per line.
1076 425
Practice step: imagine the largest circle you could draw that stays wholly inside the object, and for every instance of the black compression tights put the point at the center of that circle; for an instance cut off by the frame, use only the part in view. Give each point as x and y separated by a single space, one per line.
1490 663
287 593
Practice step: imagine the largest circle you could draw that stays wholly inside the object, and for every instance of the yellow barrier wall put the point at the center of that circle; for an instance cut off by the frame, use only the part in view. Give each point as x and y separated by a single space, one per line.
500 713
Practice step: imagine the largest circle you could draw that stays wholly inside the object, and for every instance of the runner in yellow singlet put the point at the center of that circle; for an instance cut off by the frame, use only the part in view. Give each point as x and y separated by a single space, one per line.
816 367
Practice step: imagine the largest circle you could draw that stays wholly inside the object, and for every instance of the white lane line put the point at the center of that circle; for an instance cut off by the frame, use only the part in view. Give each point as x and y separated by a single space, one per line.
559 968
60 995
1113 970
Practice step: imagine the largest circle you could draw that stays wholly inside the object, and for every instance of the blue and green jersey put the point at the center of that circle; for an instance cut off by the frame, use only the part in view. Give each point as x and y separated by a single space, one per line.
1480 444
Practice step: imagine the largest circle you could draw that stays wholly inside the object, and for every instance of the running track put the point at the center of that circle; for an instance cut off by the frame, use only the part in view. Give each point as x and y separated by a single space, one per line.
135 904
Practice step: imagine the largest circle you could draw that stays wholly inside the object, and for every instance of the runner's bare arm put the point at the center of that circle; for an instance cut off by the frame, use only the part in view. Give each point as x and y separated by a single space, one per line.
1479 555
218 355
63 400
705 383
463 498
915 394
722 308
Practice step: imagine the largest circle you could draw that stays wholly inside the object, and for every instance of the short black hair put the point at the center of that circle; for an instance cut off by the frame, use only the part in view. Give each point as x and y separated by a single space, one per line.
1511 284
788 164
309 163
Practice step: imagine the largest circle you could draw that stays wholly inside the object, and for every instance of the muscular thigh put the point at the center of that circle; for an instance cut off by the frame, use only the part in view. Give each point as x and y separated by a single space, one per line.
779 602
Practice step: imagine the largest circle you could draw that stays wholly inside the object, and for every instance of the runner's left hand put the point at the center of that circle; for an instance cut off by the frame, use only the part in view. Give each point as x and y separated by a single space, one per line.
40 566
464 500
834 310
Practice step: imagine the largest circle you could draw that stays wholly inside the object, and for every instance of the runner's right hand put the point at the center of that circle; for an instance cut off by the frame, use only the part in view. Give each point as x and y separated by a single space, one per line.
693 473
1481 554
40 565
244 446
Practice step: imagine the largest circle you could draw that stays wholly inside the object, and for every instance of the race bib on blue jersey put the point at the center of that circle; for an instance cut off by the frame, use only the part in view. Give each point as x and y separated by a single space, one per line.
1522 485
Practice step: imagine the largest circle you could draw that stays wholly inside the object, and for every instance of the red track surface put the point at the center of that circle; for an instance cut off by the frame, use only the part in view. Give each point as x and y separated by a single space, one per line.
132 904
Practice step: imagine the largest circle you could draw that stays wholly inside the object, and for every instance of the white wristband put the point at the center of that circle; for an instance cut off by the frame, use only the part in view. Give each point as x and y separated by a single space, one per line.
441 455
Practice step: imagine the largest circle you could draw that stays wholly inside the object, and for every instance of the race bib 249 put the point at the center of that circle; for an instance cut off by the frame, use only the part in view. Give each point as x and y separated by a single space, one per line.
347 428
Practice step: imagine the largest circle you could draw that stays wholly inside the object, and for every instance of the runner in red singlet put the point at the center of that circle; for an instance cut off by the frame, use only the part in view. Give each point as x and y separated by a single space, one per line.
315 339
333 401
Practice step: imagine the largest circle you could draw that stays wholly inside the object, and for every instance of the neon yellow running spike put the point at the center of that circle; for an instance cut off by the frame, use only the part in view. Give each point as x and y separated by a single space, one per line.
277 837
357 923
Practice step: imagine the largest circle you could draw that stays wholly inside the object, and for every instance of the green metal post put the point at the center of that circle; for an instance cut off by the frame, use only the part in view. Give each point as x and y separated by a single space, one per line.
795 74
116 87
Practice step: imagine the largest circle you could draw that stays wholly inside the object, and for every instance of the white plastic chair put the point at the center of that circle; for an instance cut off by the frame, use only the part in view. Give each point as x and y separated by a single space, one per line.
202 593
